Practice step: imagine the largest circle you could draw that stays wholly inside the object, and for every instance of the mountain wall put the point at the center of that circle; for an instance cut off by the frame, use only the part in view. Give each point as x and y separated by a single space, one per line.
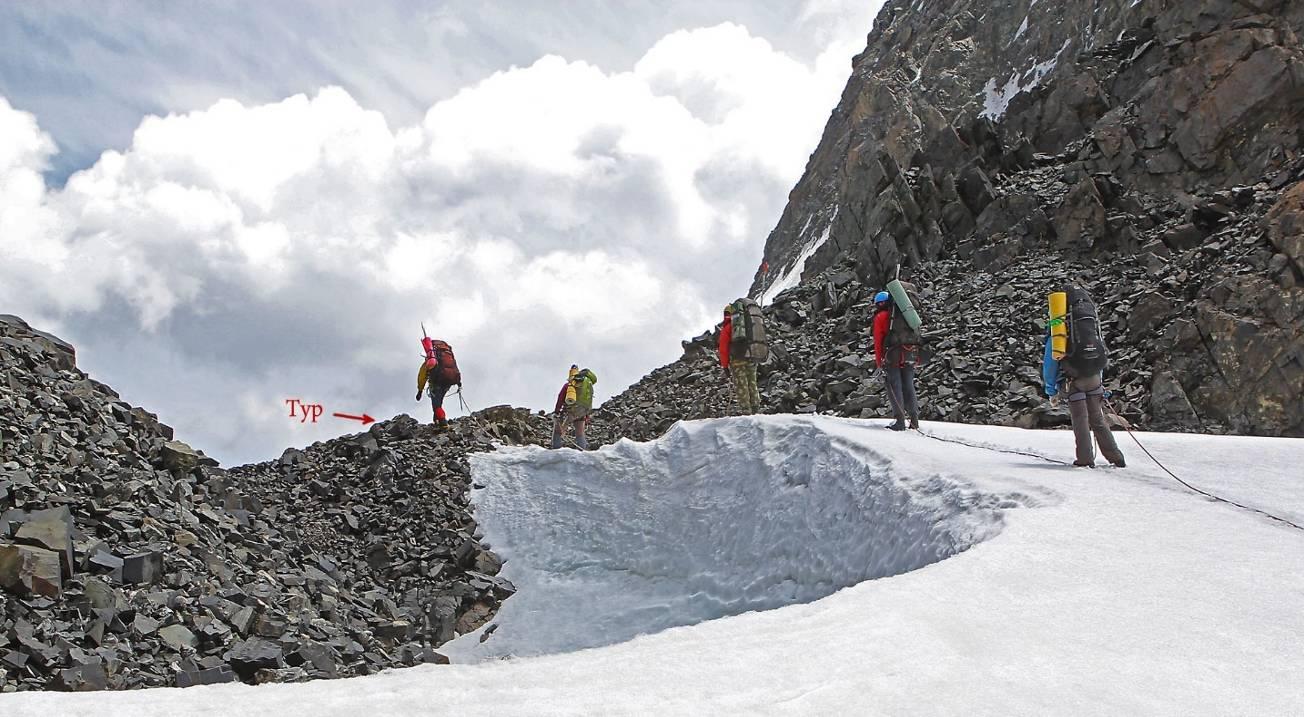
1150 148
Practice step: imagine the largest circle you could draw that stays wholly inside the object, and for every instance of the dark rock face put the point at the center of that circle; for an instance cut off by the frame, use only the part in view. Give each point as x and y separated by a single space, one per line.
1169 319
129 559
1094 134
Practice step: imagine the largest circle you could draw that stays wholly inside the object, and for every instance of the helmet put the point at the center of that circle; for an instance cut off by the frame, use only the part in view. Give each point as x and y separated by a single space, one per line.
728 309
882 297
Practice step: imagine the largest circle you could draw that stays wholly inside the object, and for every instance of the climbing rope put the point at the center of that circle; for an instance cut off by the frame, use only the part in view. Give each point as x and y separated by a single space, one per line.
1010 451
1128 427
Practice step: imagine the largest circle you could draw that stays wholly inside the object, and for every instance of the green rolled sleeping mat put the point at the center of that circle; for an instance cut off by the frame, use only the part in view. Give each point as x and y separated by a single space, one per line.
902 299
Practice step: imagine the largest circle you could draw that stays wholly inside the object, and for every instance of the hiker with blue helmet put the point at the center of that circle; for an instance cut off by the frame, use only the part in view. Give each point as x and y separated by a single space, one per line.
897 351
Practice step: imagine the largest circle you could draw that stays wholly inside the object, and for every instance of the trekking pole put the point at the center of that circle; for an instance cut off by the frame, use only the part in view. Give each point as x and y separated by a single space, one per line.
470 415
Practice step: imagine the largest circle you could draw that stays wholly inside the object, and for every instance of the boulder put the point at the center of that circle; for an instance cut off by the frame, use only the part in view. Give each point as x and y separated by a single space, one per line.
142 568
210 676
179 457
178 637
1285 224
976 190
84 678
1080 219
25 570
254 654
1169 404
50 529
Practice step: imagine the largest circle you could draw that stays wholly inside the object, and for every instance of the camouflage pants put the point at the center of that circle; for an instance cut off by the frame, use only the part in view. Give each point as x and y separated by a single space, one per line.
744 381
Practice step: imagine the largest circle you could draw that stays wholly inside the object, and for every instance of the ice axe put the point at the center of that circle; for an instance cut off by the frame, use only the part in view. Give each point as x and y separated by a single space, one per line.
426 343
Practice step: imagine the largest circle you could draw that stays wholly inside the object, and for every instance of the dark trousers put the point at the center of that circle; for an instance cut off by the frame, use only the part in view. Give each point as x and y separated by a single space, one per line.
1086 409
901 391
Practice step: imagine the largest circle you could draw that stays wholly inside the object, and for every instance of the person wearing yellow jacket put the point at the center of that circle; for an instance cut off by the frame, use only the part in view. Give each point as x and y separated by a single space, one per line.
438 371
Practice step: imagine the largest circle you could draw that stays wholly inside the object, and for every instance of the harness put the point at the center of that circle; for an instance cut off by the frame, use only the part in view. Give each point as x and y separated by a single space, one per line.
1082 395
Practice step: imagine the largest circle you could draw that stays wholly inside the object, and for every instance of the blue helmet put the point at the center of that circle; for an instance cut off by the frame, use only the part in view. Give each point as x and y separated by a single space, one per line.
882 297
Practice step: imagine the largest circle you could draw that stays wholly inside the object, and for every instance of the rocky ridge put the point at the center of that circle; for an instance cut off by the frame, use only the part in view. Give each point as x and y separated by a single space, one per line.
127 559
1155 303
1086 134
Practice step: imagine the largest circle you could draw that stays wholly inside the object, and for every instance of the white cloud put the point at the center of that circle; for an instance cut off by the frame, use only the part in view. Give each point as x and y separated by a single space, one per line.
239 255
26 222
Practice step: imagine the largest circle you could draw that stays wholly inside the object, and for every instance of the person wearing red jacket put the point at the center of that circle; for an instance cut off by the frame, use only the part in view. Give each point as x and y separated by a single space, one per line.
726 336
741 369
897 362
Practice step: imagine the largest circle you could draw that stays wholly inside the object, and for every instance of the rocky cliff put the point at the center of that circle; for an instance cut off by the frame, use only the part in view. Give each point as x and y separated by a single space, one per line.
1149 147
127 559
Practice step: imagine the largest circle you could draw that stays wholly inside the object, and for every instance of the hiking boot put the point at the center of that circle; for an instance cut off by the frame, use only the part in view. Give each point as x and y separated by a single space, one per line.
1118 462
1081 464
914 424
900 425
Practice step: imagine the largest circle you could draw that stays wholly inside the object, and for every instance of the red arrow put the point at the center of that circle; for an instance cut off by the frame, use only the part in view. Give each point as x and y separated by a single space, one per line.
364 418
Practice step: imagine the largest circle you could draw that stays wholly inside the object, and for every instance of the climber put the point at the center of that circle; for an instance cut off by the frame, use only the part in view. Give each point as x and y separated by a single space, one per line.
1078 372
574 406
742 347
438 371
897 351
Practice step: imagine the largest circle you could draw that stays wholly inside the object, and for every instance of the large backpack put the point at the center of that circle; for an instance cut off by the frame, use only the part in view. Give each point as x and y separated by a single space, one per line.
748 341
1086 353
445 369
582 384
899 332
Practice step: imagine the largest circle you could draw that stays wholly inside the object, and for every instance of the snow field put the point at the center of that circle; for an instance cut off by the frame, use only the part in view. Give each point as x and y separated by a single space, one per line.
1099 592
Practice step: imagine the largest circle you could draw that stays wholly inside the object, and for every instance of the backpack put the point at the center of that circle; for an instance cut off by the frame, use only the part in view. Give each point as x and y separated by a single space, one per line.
748 341
899 332
1086 353
581 388
445 369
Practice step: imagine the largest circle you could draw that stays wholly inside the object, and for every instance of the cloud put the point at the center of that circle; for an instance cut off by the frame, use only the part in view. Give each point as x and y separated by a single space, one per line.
236 256
91 71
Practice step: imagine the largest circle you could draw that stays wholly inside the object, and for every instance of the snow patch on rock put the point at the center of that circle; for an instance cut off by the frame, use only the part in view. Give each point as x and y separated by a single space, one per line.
792 275
996 99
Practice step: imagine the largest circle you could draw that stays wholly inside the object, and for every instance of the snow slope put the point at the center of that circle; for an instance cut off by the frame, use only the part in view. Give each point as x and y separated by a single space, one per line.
1066 591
